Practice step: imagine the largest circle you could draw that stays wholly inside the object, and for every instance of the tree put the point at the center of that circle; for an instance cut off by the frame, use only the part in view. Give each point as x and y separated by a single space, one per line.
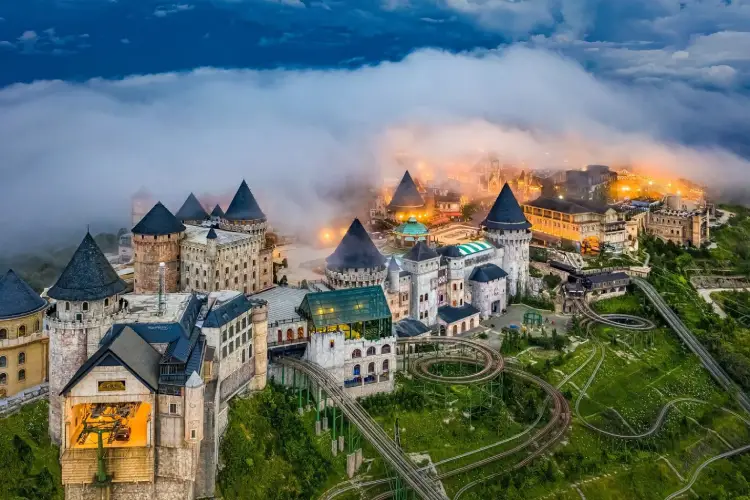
468 210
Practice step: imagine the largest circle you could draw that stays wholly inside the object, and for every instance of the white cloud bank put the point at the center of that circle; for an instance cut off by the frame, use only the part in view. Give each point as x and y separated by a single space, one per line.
73 153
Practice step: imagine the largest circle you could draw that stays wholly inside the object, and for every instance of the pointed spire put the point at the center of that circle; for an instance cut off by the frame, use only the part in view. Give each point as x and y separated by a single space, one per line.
506 213
393 265
17 298
406 195
88 275
217 211
191 210
244 206
158 221
211 234
356 250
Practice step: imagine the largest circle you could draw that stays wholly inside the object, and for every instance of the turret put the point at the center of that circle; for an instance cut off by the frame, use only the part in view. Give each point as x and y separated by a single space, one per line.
423 263
393 275
507 227
244 214
192 212
356 262
88 296
260 346
156 239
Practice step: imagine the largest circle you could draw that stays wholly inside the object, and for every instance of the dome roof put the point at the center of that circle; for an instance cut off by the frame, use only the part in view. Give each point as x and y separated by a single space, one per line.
412 227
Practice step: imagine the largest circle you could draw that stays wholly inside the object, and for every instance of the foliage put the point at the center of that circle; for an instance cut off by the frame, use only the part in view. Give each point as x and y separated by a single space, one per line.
552 281
534 272
537 254
468 210
530 300
267 452
28 458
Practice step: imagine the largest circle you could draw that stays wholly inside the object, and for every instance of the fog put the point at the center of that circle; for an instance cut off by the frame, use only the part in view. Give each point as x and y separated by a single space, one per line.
72 154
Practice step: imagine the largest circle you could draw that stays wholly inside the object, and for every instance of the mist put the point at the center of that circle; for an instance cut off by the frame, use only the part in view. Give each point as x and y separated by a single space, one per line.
72 154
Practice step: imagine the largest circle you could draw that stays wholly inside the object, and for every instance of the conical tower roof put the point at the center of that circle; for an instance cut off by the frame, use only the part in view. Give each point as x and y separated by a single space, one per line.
158 221
356 250
421 251
244 206
88 275
217 211
393 265
406 195
17 298
191 210
506 213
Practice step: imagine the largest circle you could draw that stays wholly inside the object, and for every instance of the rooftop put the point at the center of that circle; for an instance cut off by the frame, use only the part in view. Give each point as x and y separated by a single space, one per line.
283 302
410 327
158 221
451 314
569 206
217 211
199 235
88 275
144 308
420 252
17 298
350 305
356 250
412 227
223 311
486 273
191 210
244 206
406 195
506 214
474 247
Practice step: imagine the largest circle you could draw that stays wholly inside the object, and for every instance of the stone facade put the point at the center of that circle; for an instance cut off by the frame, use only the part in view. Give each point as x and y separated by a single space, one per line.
356 278
515 245
490 297
148 252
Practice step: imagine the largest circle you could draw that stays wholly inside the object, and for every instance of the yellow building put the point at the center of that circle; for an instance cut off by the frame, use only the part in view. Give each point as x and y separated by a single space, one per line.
23 342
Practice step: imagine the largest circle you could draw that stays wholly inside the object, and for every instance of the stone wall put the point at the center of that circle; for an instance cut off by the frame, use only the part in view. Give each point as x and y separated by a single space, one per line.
484 295
148 253
14 403
117 491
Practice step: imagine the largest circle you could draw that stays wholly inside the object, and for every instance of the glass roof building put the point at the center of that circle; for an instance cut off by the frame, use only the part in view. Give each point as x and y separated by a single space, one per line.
358 312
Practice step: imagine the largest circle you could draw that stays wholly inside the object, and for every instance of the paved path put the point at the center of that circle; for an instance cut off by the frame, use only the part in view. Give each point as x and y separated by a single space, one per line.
706 294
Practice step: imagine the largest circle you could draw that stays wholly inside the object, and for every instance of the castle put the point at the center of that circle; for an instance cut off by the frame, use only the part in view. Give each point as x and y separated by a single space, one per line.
142 380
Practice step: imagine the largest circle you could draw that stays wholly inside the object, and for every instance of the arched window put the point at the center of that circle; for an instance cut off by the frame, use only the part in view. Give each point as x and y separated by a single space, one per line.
386 349
463 326
3 334
3 361
106 302
21 358
455 329
356 370
371 351
21 375
371 368
67 306
279 335
290 334
3 379
300 333
356 353
22 330
471 323
85 306
385 365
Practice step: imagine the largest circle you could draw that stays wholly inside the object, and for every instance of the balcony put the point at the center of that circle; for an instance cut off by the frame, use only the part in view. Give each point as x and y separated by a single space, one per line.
26 339
125 465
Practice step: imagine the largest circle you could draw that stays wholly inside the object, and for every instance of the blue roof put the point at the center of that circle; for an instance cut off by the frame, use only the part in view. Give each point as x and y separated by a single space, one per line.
191 210
217 211
486 273
244 206
17 298
421 251
406 195
158 221
451 314
88 275
410 327
506 213
356 250
219 316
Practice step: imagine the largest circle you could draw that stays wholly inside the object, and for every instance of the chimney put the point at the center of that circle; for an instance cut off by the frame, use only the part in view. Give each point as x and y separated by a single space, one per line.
162 284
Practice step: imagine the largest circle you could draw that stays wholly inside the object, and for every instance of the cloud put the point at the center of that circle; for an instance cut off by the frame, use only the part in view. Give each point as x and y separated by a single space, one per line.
82 149
125 41
164 11
28 36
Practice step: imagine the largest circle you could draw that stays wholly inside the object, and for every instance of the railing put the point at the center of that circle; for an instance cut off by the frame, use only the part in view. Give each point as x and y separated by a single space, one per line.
276 343
26 339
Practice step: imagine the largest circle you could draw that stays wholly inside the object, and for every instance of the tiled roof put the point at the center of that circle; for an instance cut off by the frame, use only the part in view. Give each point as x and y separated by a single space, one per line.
191 210
88 275
506 214
406 195
486 273
356 250
158 221
219 316
421 251
451 314
410 327
17 298
451 251
244 206
569 206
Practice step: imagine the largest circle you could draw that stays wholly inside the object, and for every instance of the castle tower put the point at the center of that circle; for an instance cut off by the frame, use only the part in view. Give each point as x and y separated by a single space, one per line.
407 201
455 280
423 263
87 294
216 214
507 227
356 262
192 212
393 275
156 238
244 214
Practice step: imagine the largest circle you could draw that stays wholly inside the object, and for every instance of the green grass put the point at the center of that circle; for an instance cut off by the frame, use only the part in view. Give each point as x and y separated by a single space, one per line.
28 459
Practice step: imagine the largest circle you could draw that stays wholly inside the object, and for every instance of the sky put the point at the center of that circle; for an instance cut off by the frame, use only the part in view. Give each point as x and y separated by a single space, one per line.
98 98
